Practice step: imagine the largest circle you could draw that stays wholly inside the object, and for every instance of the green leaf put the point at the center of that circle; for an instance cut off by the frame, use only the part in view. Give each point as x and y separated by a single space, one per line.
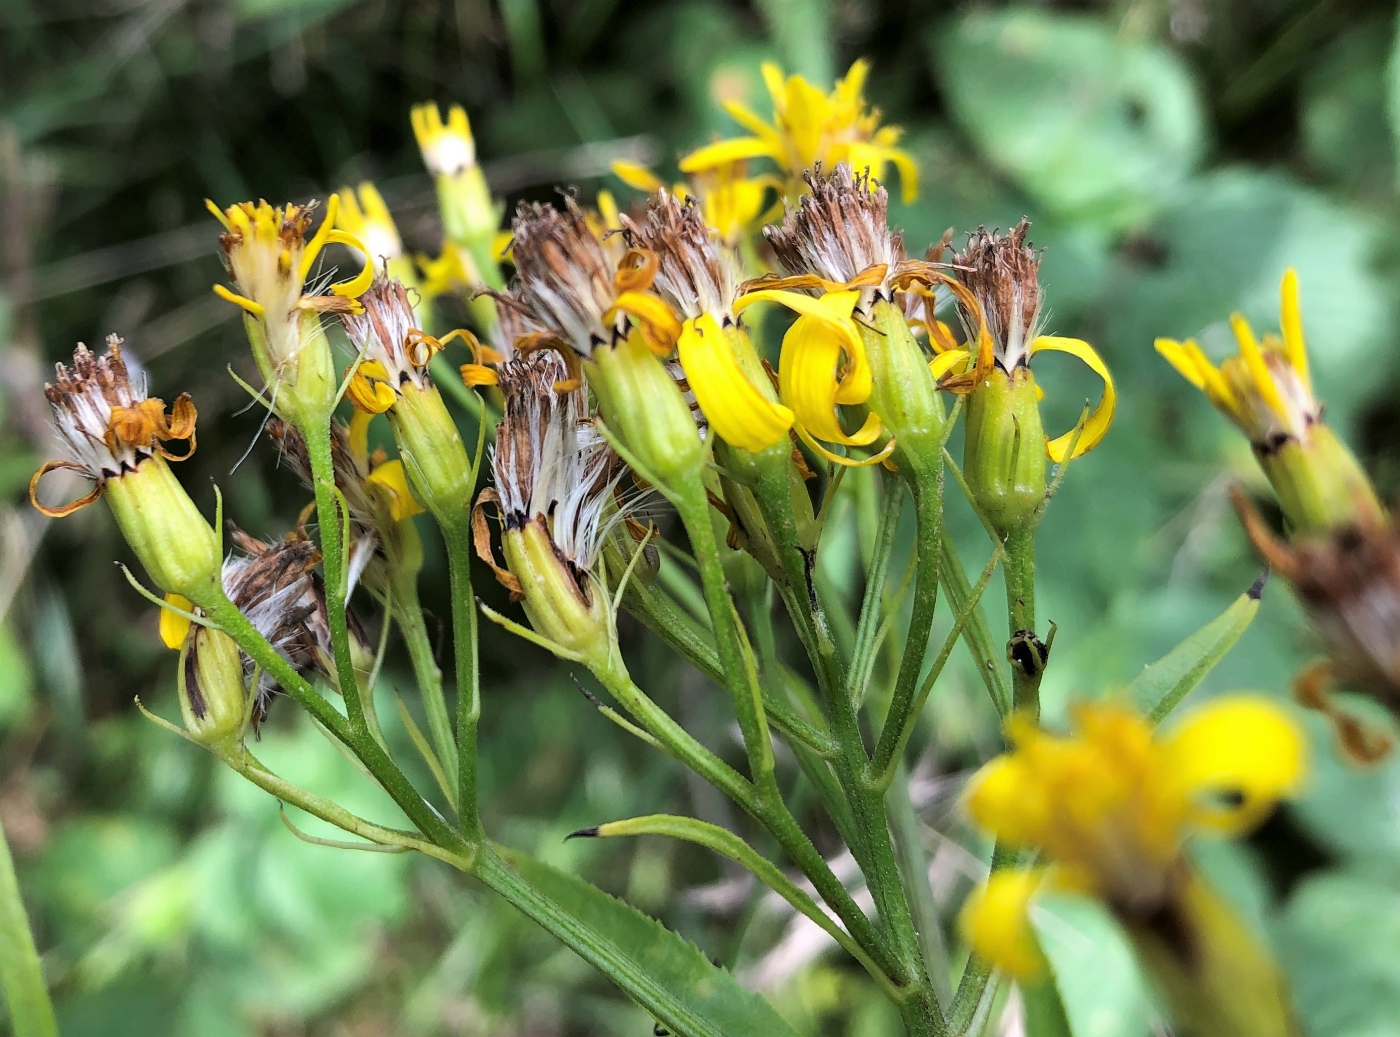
1392 93
664 972
1094 125
1161 686
1100 985
1338 943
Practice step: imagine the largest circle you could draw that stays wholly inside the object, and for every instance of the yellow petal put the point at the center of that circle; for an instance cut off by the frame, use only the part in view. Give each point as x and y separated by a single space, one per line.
313 247
637 176
947 361
369 389
359 284
1232 760
1259 372
175 627
1101 417
659 323
724 152
996 923
1291 323
228 295
1006 798
737 412
746 118
391 480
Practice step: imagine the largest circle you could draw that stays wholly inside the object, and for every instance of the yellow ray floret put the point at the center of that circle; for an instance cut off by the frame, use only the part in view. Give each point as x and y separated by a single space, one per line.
391 481
808 127
1100 418
447 147
1266 390
737 412
1110 805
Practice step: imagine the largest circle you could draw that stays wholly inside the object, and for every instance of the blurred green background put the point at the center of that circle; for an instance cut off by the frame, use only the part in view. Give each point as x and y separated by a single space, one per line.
1175 156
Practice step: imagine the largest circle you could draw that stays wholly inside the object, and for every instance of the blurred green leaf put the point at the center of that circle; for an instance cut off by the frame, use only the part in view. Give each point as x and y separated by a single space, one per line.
1161 686
1097 127
1343 109
1099 980
16 680
704 991
1339 942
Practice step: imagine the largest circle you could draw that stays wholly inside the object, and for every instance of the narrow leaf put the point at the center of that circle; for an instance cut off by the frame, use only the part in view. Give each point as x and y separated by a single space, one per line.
665 973
1161 686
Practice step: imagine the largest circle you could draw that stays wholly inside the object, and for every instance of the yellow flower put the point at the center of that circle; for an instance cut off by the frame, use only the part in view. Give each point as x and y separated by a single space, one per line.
1110 805
1267 389
809 127
367 218
1000 306
447 147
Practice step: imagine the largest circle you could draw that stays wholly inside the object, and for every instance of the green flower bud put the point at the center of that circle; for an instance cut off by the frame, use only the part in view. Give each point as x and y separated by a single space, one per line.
903 391
173 540
1004 453
213 689
1319 483
433 454
563 604
643 405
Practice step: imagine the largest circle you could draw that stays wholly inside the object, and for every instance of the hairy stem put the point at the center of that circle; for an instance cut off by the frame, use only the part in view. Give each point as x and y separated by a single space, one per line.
466 662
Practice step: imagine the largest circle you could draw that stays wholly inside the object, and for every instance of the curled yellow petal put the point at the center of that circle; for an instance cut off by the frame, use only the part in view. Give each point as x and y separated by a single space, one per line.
1232 760
369 389
737 412
391 480
359 284
241 301
948 361
1096 427
659 324
996 923
173 626
319 239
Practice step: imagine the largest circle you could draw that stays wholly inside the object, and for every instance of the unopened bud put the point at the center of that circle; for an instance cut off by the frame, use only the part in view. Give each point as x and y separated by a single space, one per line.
1004 453
213 689
563 604
173 540
433 454
642 404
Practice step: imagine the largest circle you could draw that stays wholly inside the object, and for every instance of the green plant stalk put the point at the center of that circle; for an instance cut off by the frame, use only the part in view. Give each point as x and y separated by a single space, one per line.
1019 572
408 613
428 821
906 702
21 974
908 843
977 634
457 536
773 816
872 846
863 658
736 659
329 521
1045 1011
969 1001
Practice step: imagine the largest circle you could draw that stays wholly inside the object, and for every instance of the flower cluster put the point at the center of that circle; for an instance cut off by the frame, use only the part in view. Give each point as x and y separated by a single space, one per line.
721 342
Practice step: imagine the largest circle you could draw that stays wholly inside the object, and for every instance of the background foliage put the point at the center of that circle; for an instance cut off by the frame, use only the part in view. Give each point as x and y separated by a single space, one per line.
1175 156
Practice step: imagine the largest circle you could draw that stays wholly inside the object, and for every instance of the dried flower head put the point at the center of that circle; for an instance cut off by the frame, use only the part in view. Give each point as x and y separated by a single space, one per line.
1002 273
106 423
394 352
840 233
696 272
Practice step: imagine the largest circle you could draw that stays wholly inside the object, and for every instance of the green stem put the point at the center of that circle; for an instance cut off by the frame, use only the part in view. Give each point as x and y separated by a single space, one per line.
905 703
772 815
466 662
908 842
408 613
1019 572
329 519
736 658
977 634
21 973
972 988
863 658
428 821
1045 1011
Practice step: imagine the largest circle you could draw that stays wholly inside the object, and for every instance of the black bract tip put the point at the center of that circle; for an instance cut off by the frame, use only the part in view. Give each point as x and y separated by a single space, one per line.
1256 589
583 833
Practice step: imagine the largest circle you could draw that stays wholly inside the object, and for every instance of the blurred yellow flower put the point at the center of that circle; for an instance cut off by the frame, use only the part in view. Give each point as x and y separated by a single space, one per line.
810 127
